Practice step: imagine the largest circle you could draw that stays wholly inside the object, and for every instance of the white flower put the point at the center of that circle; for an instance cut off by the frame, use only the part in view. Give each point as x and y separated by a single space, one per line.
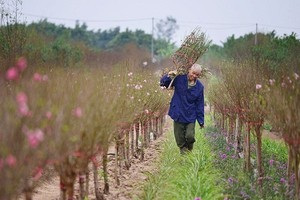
258 86
271 81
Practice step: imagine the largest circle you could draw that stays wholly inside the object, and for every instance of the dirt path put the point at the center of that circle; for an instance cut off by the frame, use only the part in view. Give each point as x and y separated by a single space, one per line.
131 181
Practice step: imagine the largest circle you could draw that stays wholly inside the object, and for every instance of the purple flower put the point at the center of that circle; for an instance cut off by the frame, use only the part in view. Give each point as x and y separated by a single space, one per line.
271 162
197 198
223 156
282 180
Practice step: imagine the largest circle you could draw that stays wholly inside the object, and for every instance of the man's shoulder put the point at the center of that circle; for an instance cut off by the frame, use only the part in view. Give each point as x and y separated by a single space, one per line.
200 84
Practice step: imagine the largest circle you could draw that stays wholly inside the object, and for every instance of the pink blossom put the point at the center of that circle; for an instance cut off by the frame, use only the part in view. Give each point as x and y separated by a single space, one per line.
11 161
45 78
35 137
38 173
197 198
37 77
258 86
77 112
24 110
21 64
130 74
12 74
271 162
296 76
22 104
22 98
48 115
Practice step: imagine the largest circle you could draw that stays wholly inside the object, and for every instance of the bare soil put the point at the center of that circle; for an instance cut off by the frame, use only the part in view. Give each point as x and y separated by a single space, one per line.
131 181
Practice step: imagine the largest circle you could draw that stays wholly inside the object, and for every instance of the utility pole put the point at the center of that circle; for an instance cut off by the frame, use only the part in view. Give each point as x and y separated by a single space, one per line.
255 41
152 48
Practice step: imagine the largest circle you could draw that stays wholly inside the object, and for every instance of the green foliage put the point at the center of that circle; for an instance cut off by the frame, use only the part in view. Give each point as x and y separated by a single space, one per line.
107 39
12 33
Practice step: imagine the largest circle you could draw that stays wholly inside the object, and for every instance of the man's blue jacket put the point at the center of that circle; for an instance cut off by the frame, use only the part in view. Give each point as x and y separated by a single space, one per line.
187 104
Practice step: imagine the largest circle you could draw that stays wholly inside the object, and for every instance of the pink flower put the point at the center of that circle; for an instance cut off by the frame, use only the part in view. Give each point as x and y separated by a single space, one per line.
21 64
258 86
271 162
77 112
37 77
11 161
197 198
48 115
45 78
296 76
22 104
21 97
12 74
38 173
24 110
35 137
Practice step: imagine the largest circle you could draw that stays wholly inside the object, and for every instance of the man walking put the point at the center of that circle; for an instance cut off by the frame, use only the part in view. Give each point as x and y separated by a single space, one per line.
187 105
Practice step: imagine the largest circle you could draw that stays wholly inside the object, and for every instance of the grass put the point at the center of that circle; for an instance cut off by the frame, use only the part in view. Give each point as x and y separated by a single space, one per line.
181 177
213 171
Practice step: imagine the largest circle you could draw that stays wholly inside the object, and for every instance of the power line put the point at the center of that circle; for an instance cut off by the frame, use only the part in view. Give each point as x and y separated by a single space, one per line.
86 20
280 27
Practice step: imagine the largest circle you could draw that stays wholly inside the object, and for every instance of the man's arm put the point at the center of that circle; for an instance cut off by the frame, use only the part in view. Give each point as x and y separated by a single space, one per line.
165 81
200 109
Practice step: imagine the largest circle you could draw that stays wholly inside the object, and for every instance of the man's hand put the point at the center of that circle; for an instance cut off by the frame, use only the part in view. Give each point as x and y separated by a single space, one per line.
172 74
201 126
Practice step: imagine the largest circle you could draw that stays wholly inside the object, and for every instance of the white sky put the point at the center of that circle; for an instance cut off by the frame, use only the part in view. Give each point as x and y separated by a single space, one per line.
218 18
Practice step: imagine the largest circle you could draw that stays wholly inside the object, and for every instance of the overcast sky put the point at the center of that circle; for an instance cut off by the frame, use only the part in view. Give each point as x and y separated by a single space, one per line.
218 18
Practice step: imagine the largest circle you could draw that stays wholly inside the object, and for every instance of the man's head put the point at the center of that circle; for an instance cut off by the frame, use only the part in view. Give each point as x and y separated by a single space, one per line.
194 72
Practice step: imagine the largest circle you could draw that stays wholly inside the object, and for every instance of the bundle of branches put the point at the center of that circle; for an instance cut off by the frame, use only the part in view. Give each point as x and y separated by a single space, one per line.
192 48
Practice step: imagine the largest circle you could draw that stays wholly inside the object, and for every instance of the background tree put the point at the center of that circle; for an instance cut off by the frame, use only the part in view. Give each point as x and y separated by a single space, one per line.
165 29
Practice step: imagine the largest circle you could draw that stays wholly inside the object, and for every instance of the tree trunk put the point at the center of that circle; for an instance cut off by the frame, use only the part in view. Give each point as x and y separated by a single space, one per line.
259 155
63 190
127 150
87 178
105 172
28 190
99 195
81 186
247 165
236 135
